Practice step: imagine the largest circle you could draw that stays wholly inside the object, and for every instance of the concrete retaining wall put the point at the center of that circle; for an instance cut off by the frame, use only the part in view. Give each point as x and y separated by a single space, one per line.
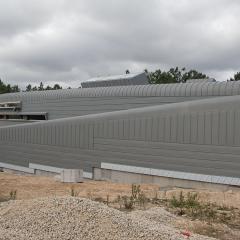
163 182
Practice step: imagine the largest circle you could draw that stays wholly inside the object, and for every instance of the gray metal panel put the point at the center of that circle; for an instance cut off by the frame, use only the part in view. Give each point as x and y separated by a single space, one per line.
185 138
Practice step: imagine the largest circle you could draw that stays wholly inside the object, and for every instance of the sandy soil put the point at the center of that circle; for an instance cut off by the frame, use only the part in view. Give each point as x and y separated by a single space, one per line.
29 187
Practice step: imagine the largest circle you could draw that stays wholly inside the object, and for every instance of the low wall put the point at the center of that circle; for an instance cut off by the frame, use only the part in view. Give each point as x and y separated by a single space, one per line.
163 182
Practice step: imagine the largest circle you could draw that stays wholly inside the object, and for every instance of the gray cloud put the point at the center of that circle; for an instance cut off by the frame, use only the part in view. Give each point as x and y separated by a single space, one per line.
70 41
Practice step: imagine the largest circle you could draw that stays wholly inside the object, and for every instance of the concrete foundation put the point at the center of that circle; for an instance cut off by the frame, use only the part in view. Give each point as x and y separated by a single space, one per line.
163 182
15 171
46 173
72 175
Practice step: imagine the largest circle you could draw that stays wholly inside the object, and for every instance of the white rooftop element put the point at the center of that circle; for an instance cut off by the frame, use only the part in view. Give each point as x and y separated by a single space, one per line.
201 80
113 77
117 80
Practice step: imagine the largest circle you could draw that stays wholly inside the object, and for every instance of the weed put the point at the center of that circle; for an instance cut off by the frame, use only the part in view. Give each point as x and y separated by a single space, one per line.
178 203
136 190
142 199
155 198
13 195
128 202
89 195
119 200
192 200
73 192
137 197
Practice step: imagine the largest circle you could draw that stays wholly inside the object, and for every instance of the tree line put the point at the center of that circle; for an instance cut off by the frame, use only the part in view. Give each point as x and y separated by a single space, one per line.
7 88
173 75
41 87
179 75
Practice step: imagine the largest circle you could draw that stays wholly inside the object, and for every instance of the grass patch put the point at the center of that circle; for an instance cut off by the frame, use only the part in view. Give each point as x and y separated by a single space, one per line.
190 206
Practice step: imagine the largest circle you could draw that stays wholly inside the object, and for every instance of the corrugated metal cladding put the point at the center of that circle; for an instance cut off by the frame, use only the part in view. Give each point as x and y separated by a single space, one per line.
198 132
79 102
201 137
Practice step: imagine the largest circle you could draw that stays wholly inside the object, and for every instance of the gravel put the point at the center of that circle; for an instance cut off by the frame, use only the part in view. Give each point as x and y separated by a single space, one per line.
75 218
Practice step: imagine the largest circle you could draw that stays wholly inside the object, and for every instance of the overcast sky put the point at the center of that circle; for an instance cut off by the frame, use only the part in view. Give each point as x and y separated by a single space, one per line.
66 42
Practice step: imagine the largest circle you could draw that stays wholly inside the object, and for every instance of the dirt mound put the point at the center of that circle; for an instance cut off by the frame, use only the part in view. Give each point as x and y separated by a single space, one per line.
78 218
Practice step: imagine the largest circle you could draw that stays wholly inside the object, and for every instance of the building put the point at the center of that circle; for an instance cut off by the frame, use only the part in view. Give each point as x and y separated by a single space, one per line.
184 134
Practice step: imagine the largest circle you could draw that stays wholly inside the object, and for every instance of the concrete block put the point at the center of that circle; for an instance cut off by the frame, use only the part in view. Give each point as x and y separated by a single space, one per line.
72 175
15 168
45 168
97 174
88 175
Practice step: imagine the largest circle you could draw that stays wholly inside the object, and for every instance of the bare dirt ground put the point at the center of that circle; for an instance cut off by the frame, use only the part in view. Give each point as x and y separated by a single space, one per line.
32 187
29 187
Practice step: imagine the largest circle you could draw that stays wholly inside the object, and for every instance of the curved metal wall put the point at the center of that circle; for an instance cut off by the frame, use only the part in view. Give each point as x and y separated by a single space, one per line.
201 136
79 102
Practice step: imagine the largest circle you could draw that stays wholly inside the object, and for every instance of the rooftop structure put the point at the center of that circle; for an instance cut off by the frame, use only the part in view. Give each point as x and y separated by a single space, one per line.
117 80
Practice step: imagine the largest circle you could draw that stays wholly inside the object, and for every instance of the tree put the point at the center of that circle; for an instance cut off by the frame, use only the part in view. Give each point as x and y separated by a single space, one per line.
158 77
174 75
193 74
28 88
8 88
15 88
236 77
48 88
57 87
41 87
